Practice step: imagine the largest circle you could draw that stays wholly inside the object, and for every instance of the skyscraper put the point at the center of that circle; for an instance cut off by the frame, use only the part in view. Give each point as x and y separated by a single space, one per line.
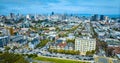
12 15
94 18
52 13
102 17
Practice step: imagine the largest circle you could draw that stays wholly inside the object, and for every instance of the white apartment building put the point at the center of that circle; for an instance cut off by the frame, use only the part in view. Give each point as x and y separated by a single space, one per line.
85 44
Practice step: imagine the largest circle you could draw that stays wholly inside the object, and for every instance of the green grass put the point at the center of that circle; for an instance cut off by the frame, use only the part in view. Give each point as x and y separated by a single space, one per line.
55 60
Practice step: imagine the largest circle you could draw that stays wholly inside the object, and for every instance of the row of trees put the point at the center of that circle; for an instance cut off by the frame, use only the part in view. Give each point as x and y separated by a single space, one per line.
70 40
72 52
8 48
116 29
90 52
30 55
69 31
74 28
42 43
103 45
62 35
94 34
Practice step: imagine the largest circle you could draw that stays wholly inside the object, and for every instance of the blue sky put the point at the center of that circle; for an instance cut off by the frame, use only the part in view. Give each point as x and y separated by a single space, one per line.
60 6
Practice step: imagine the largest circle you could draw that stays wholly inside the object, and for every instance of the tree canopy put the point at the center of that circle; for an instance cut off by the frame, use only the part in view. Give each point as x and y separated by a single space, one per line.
12 58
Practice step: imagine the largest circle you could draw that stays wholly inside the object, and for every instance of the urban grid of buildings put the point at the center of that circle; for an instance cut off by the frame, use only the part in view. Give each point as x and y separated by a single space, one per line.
65 36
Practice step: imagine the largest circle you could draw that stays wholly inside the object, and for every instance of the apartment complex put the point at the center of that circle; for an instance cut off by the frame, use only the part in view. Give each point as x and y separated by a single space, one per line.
85 44
3 41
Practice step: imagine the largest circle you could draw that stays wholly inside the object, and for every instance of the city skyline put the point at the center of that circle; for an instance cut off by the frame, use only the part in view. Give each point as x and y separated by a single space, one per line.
59 31
60 6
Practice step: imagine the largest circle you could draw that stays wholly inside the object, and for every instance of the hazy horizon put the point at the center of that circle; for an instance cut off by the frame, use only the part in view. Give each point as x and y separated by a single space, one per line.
60 6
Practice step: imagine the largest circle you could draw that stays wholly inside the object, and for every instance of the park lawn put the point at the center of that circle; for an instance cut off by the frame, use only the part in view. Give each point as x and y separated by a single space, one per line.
55 60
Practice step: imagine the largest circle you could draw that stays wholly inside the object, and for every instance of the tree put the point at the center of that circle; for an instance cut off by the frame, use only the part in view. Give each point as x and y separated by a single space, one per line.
90 52
93 51
12 58
0 33
57 29
104 45
109 51
11 31
42 43
97 49
14 47
32 55
7 48
72 52
62 35
72 40
21 60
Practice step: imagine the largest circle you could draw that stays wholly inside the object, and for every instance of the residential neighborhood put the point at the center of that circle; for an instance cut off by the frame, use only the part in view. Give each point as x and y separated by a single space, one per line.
59 31
61 36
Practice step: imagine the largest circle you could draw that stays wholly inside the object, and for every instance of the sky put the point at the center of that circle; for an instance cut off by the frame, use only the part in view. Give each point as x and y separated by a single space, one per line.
60 6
